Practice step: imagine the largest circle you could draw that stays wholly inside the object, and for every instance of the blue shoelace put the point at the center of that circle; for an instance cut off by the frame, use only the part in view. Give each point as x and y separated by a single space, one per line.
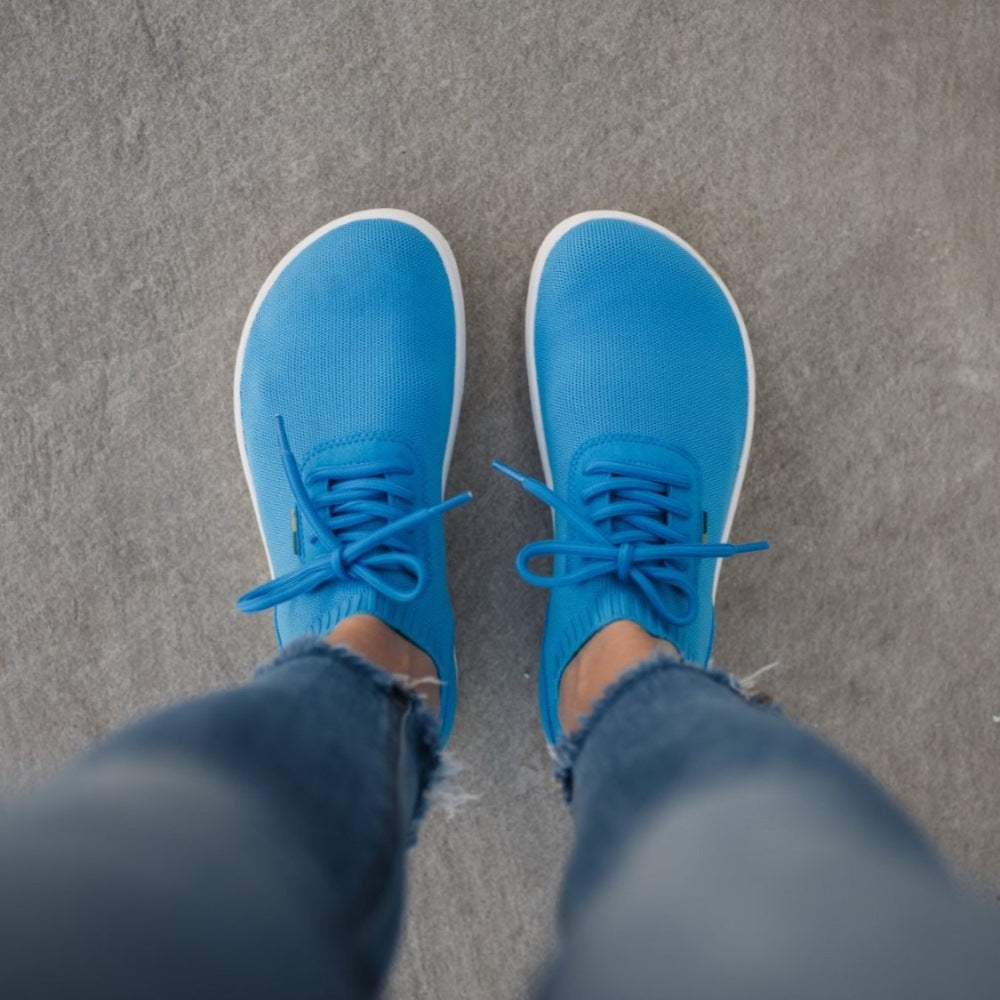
359 522
628 533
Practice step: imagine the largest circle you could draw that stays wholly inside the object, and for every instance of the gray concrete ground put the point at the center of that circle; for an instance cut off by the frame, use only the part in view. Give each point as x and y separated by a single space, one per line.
837 163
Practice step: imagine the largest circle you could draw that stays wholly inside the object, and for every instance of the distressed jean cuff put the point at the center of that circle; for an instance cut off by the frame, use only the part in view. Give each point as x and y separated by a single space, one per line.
570 745
361 678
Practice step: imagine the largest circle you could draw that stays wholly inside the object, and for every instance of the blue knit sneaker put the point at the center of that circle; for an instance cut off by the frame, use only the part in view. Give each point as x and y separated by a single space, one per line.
347 390
642 391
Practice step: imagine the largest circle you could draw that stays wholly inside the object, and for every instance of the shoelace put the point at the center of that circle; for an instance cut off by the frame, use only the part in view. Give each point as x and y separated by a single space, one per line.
357 527
628 534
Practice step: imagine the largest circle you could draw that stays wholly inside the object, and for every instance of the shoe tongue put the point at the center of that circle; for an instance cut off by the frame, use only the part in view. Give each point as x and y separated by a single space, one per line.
355 452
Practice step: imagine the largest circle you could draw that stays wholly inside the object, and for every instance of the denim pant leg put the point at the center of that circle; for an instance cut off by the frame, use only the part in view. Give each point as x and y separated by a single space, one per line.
721 850
249 843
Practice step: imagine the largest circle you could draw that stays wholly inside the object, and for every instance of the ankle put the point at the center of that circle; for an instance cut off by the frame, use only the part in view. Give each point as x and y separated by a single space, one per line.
609 653
384 647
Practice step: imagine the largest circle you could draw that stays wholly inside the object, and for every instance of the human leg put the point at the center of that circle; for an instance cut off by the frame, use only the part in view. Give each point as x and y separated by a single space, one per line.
251 842
247 843
722 850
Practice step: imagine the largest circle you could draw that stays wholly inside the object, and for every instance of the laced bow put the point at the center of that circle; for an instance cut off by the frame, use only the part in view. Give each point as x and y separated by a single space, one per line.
358 529
627 533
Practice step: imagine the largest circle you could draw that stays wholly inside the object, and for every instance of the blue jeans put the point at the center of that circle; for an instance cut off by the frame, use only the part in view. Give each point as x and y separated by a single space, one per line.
251 843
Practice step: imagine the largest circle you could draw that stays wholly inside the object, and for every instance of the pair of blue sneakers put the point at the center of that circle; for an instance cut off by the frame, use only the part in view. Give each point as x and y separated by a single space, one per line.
347 393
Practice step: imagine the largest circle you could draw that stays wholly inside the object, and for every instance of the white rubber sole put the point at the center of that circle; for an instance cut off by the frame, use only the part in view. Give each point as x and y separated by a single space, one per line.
554 236
451 267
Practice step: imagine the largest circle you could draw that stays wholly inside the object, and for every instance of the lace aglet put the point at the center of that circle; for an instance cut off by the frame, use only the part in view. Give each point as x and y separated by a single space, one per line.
455 501
518 477
751 547
543 493
286 448
419 516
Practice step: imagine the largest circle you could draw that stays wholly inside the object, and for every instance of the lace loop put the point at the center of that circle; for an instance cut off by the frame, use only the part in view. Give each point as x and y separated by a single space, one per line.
337 567
350 546
628 534
625 557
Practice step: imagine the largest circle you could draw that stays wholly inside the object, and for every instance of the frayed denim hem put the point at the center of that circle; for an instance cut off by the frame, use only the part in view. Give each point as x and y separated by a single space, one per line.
568 749
432 766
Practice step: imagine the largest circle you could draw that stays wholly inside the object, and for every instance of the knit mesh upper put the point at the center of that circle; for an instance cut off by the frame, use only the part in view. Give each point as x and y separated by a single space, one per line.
638 352
354 346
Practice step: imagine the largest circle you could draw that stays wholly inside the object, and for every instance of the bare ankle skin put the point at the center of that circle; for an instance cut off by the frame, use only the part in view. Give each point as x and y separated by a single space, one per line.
371 638
605 656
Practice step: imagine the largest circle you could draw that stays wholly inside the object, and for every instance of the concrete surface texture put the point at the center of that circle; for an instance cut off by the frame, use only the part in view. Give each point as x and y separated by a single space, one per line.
836 162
